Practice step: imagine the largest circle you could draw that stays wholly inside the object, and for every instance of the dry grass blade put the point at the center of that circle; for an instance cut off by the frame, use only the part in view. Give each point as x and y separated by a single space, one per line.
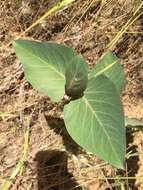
134 17
26 140
83 10
86 9
74 16
19 168
54 9
124 32
4 115
114 178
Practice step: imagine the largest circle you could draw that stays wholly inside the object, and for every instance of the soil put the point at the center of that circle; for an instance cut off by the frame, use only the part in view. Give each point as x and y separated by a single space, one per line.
54 161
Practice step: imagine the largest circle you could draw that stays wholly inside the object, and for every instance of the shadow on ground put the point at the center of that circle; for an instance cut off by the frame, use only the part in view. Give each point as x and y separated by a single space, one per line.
131 164
58 126
53 172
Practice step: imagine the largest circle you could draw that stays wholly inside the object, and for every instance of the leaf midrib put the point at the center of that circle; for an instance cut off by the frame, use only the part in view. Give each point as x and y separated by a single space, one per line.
49 65
99 121
104 69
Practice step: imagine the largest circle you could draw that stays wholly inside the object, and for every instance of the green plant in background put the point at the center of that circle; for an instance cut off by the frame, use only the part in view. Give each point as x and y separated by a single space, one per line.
94 114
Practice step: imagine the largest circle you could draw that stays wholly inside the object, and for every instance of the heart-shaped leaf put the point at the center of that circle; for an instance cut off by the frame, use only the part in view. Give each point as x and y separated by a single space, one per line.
76 77
45 66
96 121
109 65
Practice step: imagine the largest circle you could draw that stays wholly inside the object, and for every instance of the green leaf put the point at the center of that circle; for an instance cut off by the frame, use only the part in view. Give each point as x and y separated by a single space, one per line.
109 66
76 77
45 65
96 121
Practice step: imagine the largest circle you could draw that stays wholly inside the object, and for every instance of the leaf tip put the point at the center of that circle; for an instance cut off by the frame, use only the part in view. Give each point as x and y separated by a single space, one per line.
15 43
121 166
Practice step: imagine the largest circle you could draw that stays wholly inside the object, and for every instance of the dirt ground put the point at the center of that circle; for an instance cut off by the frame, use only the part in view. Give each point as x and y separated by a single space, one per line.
54 161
